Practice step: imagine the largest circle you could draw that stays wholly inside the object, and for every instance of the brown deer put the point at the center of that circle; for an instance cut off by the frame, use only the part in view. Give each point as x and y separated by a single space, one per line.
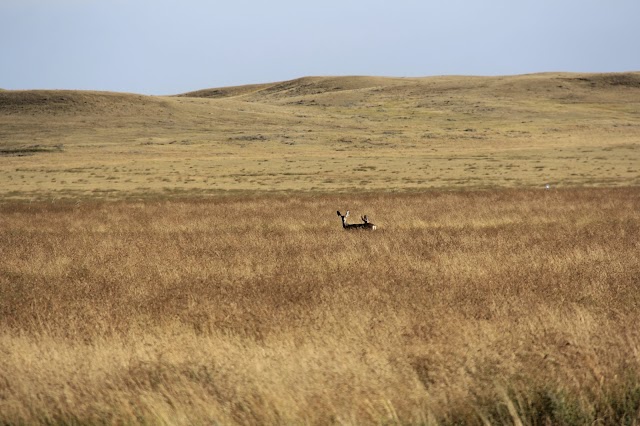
366 225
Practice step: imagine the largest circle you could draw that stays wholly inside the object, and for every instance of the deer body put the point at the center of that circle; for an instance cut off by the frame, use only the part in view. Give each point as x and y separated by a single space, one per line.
365 225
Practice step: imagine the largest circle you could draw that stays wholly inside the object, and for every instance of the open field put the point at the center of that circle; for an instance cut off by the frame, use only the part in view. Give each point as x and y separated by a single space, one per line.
324 135
490 306
178 259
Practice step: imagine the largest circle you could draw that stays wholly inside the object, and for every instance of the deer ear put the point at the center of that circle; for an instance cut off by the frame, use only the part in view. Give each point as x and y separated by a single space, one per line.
346 215
339 213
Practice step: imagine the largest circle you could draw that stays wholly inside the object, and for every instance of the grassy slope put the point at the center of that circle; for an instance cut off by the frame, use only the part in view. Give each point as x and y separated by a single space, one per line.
325 134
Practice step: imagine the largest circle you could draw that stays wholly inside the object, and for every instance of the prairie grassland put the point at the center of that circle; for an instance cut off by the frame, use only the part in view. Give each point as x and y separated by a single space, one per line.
501 306
324 135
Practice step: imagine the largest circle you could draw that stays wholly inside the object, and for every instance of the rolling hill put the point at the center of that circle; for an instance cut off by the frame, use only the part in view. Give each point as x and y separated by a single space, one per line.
325 134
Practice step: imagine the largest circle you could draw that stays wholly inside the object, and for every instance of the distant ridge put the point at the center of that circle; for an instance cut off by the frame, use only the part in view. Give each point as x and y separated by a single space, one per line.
298 86
319 85
340 91
225 92
306 86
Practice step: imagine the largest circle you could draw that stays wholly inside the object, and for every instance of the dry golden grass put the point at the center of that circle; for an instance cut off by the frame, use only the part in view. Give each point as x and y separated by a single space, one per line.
486 306
324 134
253 306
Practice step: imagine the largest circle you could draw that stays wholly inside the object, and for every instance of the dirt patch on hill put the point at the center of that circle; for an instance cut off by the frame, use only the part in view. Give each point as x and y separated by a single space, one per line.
630 80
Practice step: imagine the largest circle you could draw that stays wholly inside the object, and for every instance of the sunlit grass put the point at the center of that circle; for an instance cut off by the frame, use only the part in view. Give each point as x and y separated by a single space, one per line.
488 306
325 135
215 284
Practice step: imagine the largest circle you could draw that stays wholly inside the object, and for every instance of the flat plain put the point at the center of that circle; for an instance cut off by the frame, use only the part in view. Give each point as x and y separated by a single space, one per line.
178 259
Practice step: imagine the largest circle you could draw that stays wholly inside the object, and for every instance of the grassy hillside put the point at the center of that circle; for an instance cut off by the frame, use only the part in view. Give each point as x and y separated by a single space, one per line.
325 134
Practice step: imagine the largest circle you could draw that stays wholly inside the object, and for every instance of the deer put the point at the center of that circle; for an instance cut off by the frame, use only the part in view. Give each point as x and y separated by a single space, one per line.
365 225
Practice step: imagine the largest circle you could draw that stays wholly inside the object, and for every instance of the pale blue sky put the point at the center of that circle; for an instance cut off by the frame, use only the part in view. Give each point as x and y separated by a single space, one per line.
174 46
